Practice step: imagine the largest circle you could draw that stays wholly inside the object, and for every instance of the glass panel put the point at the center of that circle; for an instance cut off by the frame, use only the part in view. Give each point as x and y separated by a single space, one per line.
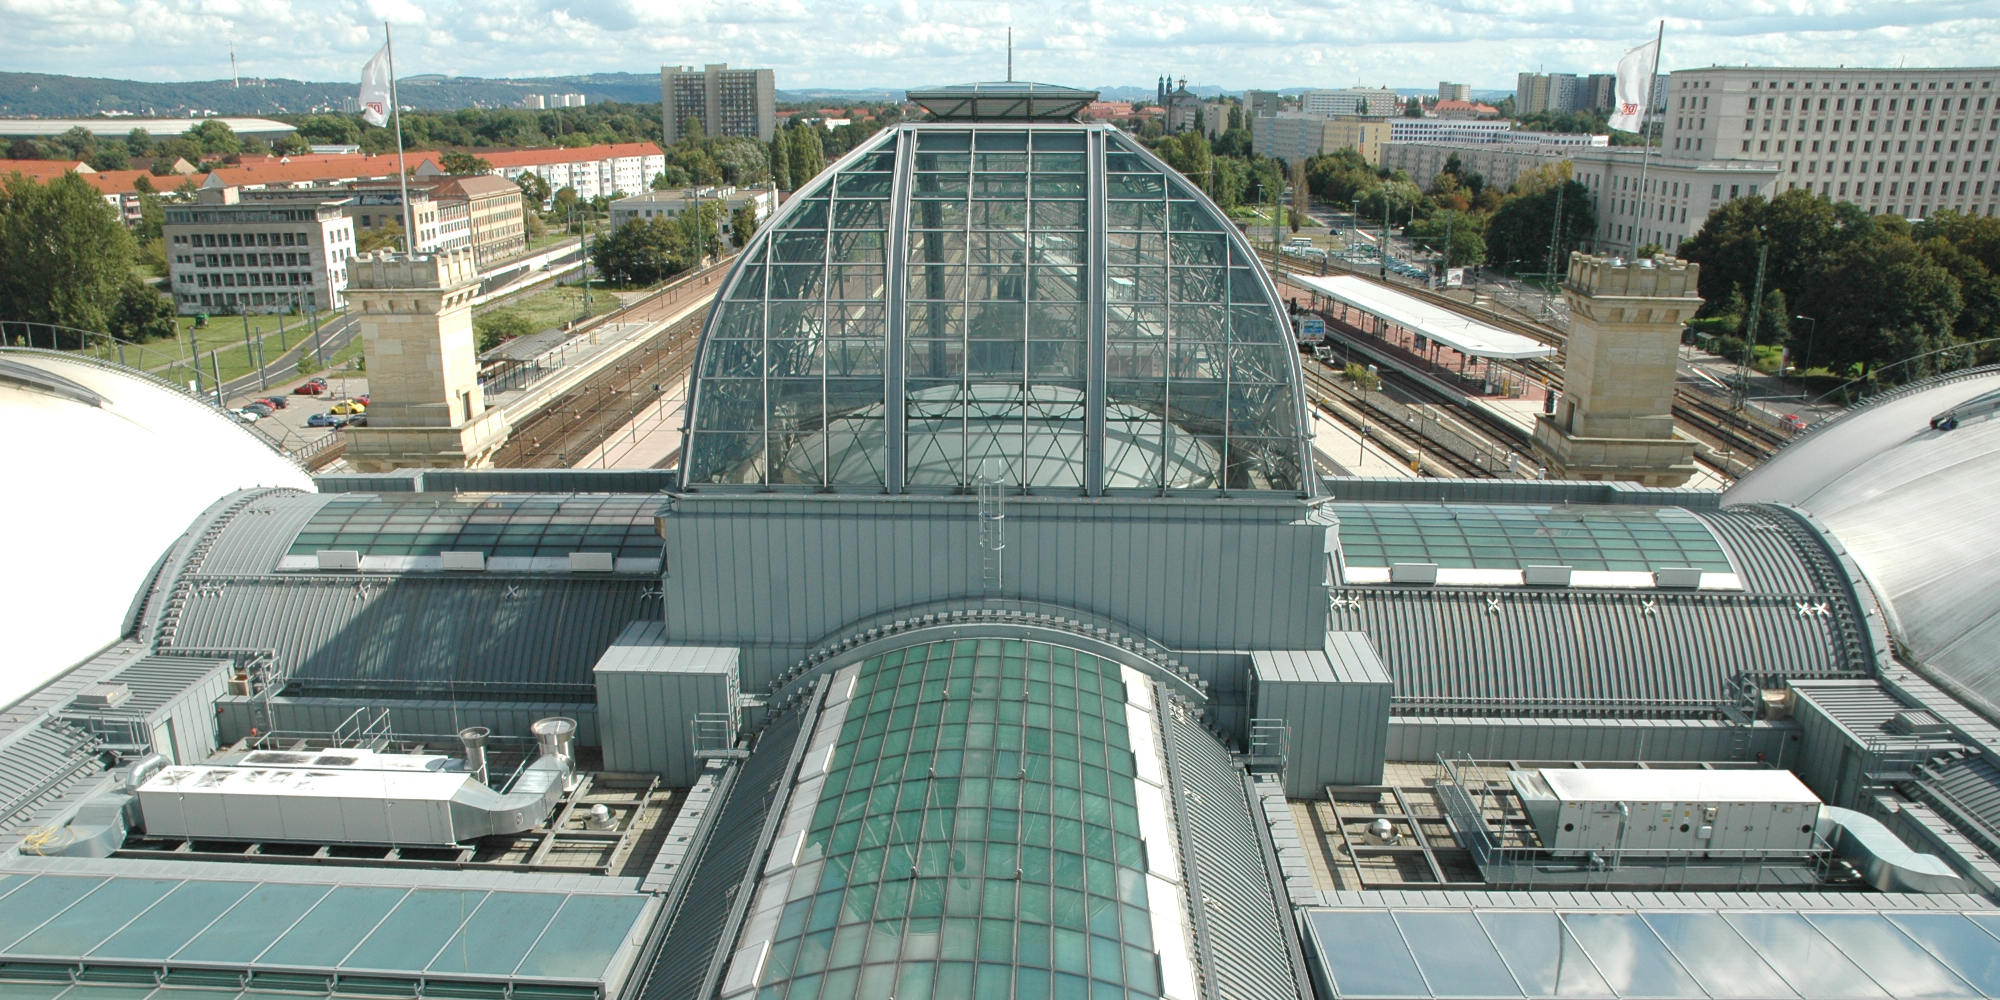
1723 962
1365 955
324 936
160 931
1889 957
492 941
1454 954
250 926
41 898
1629 955
410 936
79 928
1958 940
1545 959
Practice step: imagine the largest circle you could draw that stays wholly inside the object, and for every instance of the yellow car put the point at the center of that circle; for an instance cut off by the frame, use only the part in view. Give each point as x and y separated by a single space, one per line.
347 406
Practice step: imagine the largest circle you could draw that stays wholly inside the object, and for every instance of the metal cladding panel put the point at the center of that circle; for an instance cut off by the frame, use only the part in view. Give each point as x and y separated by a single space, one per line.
417 632
1502 650
1335 704
649 692
1228 574
1245 927
500 481
1971 787
1419 737
237 716
253 539
697 926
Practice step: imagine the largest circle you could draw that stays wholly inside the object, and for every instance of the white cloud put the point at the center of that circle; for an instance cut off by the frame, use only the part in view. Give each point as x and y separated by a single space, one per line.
819 43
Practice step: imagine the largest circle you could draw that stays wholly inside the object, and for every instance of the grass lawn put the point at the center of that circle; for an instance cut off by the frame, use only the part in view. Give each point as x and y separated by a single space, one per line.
553 307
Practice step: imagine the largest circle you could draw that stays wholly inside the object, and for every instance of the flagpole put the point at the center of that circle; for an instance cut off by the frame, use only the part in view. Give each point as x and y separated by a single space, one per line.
1645 128
396 122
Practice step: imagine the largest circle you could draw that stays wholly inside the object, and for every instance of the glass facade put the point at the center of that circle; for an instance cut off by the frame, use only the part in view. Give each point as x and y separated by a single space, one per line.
977 836
1654 953
1515 536
1047 305
427 524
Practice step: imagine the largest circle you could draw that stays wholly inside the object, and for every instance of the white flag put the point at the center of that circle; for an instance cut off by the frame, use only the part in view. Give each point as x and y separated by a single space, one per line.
375 88
1635 86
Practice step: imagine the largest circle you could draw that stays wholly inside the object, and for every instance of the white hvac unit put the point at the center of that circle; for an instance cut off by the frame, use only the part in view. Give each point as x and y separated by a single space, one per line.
1607 810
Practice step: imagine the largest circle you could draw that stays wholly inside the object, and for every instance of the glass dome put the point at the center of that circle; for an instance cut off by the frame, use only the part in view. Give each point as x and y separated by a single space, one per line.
1045 304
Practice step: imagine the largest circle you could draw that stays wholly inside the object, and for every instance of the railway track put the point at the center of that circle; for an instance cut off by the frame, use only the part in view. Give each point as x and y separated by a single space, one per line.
1336 402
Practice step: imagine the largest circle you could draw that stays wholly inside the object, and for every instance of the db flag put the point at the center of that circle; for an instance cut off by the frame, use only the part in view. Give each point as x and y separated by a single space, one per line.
1635 85
375 88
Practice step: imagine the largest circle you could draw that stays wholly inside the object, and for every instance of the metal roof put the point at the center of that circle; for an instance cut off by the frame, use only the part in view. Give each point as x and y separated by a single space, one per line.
1242 921
1449 327
1902 496
1505 651
695 931
1008 100
430 635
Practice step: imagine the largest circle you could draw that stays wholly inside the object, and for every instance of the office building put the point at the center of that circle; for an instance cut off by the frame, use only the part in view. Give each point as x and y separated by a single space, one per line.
1293 137
1373 102
994 637
670 204
1908 142
1455 92
1447 130
495 226
226 254
1257 103
725 101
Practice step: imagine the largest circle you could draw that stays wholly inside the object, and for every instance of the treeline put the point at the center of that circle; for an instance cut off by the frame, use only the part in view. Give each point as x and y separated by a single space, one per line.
67 260
1853 295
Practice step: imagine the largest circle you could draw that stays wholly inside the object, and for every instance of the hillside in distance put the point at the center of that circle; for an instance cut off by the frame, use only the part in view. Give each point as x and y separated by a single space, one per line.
47 95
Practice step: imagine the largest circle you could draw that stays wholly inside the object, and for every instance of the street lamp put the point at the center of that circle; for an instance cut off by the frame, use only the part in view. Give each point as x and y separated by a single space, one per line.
1812 333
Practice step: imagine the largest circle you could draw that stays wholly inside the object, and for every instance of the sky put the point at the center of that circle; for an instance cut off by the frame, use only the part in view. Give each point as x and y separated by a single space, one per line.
891 44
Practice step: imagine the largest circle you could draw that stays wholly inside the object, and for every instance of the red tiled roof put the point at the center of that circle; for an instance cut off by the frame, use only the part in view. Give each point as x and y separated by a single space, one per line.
1465 106
43 169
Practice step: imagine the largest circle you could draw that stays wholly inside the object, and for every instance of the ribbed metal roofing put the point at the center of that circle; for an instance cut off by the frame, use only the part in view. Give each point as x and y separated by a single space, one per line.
253 539
1593 652
1970 787
416 632
38 761
156 680
696 928
1242 926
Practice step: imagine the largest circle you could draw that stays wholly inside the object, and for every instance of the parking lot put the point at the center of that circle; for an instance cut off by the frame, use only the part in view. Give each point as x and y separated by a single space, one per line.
287 428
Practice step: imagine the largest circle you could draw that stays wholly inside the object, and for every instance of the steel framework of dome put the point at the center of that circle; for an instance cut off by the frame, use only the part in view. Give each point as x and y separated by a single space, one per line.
1039 302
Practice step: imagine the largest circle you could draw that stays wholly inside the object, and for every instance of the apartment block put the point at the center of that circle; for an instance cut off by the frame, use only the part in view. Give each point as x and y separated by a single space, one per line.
1292 136
726 101
1377 102
228 255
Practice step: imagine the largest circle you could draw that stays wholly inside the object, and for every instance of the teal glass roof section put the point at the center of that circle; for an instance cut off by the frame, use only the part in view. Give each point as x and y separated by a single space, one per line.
52 925
1001 101
498 525
1514 536
977 835
1046 305
1377 952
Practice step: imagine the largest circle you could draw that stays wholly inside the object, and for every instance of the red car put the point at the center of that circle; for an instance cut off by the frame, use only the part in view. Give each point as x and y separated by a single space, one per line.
311 387
277 402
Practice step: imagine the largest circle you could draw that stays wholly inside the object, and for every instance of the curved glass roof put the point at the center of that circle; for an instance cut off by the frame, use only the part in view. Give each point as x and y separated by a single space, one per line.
981 831
1046 305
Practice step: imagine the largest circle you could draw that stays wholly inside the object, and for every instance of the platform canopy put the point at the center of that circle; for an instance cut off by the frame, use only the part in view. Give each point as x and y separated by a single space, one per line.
1455 330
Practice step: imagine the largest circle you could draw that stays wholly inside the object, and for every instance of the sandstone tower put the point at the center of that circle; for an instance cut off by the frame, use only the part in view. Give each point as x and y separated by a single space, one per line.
426 406
1616 417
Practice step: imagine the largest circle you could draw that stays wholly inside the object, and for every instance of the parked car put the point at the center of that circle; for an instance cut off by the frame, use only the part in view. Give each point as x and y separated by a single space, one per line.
245 415
326 420
358 420
260 408
277 402
362 399
310 387
347 406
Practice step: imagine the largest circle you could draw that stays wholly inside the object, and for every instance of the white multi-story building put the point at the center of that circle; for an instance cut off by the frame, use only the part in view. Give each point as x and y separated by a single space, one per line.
725 101
1445 130
224 254
1661 202
1454 91
613 170
1907 142
1368 102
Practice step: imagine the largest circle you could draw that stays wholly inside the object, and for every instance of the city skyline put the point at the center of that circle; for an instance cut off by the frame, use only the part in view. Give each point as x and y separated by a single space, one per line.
897 43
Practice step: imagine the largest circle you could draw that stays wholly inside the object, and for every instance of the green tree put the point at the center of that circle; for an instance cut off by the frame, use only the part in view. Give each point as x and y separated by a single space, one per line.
109 158
807 154
141 313
215 136
691 130
781 161
291 145
64 256
644 251
743 224
387 236
1466 232
1518 234
1882 301
139 142
330 130
534 190
499 326
1414 109
461 164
